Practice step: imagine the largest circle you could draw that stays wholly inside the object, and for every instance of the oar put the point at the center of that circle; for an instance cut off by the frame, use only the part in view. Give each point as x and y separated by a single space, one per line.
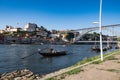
33 53
42 49
28 56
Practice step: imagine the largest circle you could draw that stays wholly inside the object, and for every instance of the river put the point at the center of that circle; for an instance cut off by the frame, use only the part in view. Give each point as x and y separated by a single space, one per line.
10 57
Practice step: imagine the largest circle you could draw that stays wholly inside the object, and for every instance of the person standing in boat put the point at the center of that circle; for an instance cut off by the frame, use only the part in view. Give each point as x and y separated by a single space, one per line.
52 50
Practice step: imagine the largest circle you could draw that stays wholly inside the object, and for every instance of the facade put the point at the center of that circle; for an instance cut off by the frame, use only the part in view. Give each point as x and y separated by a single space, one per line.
1 38
55 35
42 33
10 29
30 27
64 38
1 31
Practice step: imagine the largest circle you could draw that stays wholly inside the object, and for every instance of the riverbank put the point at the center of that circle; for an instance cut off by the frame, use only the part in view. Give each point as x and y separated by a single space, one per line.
109 69
106 70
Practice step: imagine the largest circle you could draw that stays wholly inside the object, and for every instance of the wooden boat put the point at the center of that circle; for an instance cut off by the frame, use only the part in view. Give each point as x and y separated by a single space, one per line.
117 47
104 49
97 49
94 48
52 53
109 47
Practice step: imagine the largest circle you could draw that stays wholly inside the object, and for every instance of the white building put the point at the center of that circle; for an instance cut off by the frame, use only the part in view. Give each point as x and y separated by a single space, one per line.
1 31
55 35
42 33
30 27
10 29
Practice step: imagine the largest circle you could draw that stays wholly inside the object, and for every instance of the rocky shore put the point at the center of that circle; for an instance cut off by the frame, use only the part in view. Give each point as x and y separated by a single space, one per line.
24 74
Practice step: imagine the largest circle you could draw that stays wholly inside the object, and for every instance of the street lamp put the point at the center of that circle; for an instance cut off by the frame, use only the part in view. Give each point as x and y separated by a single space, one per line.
95 22
100 25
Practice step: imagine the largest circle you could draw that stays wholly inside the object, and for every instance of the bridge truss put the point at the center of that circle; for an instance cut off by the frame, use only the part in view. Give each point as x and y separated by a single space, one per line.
113 29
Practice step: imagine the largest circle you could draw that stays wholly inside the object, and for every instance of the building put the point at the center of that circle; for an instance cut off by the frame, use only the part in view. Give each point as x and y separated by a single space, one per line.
42 33
55 35
30 27
1 31
11 29
1 38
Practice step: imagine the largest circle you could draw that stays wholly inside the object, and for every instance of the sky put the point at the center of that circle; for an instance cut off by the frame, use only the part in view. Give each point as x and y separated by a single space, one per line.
58 14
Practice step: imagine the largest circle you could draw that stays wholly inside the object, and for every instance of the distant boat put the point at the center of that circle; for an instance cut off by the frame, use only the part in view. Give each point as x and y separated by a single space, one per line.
66 44
104 49
109 47
117 47
51 53
14 44
97 49
94 48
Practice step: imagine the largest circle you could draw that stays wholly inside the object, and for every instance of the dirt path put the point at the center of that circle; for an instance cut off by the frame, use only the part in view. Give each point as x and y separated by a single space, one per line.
108 70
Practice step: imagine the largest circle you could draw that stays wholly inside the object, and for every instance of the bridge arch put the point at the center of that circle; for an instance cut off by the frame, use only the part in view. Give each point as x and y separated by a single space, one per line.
84 31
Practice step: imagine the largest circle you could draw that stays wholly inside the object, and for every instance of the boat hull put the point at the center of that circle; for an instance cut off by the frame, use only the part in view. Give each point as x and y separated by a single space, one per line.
98 49
61 53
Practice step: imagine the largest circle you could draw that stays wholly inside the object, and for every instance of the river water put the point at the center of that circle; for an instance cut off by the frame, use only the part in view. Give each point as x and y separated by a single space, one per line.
10 57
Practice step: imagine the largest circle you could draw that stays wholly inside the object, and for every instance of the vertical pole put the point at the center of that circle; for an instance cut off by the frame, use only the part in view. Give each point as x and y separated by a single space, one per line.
100 25
113 34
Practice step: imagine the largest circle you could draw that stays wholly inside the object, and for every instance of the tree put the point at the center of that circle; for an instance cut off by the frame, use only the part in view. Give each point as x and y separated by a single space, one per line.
43 28
118 38
70 36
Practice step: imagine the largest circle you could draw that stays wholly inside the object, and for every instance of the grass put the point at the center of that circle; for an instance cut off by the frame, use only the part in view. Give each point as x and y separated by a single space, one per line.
116 52
108 58
97 57
86 60
75 71
53 78
97 62
62 76
112 70
118 62
111 58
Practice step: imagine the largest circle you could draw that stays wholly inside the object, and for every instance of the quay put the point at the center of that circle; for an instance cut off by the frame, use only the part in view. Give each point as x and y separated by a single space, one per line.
97 42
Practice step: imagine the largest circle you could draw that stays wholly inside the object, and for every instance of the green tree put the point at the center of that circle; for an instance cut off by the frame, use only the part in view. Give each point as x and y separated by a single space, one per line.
118 38
70 36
